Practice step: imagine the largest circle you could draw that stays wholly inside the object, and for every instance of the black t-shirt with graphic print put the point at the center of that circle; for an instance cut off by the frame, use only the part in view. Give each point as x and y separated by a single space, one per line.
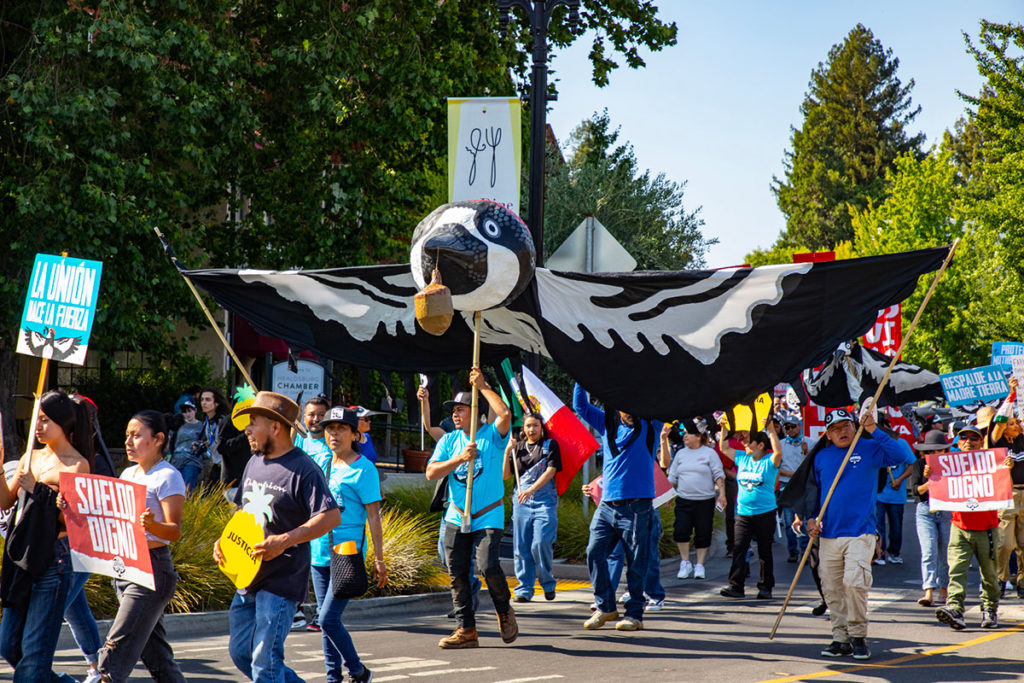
534 459
284 493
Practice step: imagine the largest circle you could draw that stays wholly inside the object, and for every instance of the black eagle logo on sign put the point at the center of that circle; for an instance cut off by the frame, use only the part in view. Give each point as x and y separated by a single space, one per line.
45 345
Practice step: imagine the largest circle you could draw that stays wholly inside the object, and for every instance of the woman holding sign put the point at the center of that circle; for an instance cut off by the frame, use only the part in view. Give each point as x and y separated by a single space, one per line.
34 590
355 484
138 629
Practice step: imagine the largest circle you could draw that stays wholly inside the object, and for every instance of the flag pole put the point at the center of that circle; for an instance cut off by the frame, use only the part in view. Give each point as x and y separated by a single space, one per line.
213 323
474 419
860 429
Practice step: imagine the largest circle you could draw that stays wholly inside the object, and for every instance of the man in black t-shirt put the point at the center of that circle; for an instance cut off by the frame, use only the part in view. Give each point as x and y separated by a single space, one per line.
287 493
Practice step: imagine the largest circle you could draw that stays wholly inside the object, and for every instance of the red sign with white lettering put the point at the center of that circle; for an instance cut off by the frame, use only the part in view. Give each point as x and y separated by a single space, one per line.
969 481
887 333
104 531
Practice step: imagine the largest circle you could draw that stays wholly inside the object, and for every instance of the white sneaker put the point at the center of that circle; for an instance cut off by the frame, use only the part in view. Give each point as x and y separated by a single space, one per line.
654 605
685 569
93 677
894 559
698 571
624 596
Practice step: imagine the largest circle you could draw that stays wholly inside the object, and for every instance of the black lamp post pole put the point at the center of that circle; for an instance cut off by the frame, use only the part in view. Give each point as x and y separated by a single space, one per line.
539 14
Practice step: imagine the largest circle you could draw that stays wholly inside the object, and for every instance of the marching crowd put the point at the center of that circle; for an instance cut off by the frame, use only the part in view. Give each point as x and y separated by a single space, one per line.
319 491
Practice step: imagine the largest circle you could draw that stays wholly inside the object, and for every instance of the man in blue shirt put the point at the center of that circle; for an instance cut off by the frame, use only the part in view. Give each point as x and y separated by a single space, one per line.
847 531
624 514
451 459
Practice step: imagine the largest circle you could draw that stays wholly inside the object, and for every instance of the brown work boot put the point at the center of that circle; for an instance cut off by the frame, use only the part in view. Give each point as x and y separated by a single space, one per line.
507 625
459 639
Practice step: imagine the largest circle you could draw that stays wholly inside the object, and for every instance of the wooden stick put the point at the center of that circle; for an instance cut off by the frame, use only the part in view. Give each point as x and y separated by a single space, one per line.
474 419
213 323
860 429
26 460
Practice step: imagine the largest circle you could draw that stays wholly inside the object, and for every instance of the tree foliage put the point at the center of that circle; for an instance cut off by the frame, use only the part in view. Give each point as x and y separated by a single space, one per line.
644 212
263 134
856 113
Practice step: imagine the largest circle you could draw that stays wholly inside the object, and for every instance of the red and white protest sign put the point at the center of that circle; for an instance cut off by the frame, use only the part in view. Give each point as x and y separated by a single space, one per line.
887 333
104 531
663 490
969 481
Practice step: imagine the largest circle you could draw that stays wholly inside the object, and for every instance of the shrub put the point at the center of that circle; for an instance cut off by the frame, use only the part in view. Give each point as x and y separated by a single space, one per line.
410 546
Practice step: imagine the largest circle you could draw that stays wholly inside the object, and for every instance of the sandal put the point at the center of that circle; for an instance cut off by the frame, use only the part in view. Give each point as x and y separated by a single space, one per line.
925 602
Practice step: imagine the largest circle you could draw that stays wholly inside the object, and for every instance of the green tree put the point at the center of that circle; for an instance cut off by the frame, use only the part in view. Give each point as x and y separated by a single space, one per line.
644 212
263 134
856 114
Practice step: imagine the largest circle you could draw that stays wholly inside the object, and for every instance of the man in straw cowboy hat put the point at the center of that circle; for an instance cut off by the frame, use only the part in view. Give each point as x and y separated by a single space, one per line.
287 493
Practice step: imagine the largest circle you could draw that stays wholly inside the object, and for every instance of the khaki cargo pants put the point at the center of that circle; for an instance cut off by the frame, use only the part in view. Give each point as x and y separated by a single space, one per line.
1011 537
845 571
963 545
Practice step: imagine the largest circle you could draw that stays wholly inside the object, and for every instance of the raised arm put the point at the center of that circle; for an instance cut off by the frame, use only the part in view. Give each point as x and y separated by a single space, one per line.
773 436
587 411
502 415
665 448
424 396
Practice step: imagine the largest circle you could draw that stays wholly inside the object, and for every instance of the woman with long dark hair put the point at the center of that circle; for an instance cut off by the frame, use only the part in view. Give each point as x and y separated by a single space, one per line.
137 630
534 506
36 573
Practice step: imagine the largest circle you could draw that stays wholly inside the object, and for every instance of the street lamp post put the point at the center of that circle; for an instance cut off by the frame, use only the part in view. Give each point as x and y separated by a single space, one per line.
538 12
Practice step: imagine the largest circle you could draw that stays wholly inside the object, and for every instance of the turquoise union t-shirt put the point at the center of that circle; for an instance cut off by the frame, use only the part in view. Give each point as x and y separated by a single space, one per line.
755 480
354 487
487 483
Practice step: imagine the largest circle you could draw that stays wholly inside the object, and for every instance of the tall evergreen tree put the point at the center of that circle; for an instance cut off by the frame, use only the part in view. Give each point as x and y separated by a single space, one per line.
856 115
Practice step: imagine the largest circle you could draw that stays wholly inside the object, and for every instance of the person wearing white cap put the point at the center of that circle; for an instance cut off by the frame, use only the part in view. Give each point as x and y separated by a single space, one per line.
847 530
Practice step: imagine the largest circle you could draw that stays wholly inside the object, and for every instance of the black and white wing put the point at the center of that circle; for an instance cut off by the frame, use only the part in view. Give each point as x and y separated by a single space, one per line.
362 316
65 347
676 344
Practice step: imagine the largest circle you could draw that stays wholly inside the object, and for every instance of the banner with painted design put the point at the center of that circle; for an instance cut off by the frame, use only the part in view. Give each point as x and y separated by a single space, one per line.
485 149
1003 353
104 531
969 481
59 309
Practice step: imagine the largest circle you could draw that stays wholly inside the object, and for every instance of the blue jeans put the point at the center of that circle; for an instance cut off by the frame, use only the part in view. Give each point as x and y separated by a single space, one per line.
630 524
889 516
474 580
337 643
933 536
535 525
191 472
80 619
794 544
652 582
259 624
29 632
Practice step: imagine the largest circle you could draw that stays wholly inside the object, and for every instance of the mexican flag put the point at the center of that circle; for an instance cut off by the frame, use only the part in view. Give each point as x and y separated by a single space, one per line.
575 442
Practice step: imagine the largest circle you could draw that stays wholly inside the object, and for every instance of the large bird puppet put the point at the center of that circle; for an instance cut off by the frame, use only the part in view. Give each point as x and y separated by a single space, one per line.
656 344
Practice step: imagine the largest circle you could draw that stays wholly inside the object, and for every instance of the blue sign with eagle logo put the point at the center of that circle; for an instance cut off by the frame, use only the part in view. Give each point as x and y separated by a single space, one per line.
60 308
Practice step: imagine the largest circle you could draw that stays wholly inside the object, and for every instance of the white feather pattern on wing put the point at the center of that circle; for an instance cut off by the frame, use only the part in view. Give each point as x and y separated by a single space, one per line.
697 327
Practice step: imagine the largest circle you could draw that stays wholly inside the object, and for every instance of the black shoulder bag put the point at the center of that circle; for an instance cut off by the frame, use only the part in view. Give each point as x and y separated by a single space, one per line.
348 572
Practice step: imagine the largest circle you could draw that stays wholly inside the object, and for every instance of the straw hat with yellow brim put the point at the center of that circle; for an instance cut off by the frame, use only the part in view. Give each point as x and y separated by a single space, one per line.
273 406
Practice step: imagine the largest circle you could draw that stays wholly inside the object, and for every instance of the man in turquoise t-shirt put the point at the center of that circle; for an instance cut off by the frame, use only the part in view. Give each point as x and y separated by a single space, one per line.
451 458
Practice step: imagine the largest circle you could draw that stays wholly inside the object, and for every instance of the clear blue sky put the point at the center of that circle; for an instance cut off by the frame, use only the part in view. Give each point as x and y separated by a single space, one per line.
716 109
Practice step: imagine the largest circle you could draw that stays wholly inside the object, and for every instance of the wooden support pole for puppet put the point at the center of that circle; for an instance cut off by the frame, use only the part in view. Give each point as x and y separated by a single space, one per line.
213 323
860 429
474 420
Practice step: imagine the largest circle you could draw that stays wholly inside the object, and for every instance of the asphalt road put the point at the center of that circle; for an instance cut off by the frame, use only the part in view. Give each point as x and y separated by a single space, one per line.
699 636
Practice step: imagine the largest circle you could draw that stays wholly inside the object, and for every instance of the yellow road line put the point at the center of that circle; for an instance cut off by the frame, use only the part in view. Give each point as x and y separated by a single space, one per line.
891 664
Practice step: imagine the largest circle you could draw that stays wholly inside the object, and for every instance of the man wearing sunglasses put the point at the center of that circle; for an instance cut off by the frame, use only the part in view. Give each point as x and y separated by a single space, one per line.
971 535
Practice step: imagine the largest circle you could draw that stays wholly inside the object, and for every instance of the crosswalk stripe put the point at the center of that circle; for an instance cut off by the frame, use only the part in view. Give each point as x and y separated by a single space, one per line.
533 678
439 672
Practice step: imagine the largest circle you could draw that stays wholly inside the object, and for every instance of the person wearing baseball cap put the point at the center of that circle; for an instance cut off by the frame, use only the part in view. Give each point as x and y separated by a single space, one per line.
261 614
847 531
451 458
794 450
366 448
932 527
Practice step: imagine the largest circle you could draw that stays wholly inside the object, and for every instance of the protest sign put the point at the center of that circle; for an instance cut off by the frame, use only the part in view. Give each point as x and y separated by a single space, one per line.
59 309
969 481
887 332
104 531
1002 352
976 385
240 535
485 150
1017 363
663 490
749 416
